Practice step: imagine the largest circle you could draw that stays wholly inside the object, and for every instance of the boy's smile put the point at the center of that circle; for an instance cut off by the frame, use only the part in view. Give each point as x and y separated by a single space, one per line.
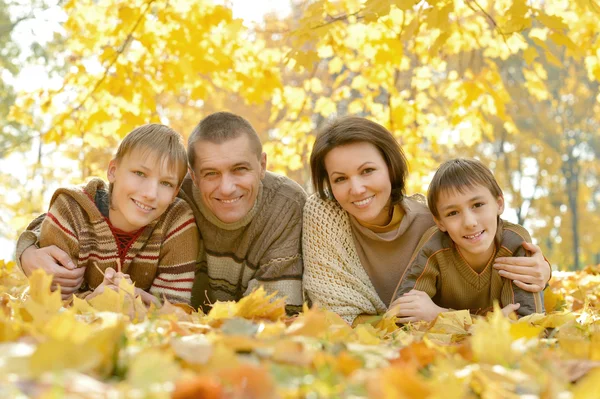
470 218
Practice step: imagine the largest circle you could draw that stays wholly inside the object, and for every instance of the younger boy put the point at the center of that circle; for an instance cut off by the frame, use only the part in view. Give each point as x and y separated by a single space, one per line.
452 265
133 227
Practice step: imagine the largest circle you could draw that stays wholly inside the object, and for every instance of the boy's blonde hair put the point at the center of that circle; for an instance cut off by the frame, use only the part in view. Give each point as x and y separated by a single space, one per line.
457 175
161 140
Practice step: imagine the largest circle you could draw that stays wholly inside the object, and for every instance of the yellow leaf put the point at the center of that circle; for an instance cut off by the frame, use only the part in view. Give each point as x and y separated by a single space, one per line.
524 330
491 341
552 21
259 305
565 41
367 334
530 54
553 301
588 387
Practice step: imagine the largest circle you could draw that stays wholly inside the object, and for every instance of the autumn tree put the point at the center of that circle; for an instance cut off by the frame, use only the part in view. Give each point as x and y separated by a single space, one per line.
447 77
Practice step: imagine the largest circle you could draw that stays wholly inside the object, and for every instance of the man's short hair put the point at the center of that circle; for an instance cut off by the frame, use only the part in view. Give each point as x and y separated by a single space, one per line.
158 139
220 127
457 175
354 129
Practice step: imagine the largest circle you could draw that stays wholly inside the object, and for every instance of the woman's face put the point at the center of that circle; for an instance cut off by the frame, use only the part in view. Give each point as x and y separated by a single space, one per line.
360 181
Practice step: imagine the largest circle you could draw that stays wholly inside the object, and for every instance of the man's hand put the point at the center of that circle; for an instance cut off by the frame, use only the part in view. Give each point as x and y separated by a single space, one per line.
415 305
55 262
529 273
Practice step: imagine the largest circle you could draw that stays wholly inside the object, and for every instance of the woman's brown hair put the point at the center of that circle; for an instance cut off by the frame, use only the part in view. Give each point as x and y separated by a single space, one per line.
354 129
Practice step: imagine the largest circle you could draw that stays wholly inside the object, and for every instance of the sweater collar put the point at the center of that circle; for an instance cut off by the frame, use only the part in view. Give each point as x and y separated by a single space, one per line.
216 221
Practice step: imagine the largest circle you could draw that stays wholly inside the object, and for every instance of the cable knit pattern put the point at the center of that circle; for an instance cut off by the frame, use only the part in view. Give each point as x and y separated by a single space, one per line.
160 260
333 275
263 248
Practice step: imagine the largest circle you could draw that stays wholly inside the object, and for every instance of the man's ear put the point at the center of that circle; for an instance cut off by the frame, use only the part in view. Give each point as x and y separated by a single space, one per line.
112 171
439 224
263 165
500 204
193 176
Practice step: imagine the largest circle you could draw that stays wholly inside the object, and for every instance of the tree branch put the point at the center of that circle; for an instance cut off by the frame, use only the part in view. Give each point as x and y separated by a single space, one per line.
119 52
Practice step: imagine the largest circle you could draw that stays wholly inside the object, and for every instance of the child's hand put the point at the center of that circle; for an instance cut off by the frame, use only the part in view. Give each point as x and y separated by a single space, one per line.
511 307
414 306
112 277
100 289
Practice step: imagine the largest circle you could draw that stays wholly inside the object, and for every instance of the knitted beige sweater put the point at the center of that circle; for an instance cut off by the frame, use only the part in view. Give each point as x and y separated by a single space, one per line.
334 277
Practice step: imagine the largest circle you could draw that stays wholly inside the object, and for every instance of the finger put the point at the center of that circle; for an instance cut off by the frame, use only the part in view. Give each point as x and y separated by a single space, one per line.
515 261
528 287
406 320
68 290
521 270
66 296
531 247
520 277
110 273
60 256
67 282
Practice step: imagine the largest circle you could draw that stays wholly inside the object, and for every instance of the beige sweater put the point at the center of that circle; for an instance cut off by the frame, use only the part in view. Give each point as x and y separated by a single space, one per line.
334 275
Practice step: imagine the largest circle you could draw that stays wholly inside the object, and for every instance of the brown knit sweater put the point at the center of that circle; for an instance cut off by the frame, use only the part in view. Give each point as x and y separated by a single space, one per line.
263 248
438 269
161 260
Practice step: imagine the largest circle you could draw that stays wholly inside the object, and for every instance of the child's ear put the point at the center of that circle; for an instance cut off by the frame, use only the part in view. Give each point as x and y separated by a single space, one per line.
439 224
500 205
112 170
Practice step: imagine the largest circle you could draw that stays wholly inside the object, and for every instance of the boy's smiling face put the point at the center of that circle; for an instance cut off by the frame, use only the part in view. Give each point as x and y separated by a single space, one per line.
471 219
143 187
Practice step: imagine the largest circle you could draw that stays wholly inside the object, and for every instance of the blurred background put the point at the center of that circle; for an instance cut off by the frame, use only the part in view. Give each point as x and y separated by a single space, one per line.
511 82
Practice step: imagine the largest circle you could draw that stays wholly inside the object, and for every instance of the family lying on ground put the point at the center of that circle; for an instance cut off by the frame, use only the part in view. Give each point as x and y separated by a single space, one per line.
359 246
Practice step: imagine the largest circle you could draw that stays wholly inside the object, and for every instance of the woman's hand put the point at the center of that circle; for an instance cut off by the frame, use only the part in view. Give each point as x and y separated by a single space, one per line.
415 305
530 273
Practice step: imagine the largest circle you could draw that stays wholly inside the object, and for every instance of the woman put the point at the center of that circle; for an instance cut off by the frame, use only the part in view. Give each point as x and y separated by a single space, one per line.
360 229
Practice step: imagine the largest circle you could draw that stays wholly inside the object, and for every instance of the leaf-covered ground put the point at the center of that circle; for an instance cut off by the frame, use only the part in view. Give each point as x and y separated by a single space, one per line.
115 347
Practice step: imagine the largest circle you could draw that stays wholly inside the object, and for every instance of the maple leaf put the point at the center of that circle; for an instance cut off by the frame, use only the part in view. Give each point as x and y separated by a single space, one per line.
41 303
491 341
259 305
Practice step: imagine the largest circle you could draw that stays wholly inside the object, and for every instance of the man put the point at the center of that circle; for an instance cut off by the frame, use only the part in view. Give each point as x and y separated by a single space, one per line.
250 220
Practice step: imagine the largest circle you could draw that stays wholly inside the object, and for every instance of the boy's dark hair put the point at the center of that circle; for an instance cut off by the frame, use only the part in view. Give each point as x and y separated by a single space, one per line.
220 127
354 129
457 175
159 139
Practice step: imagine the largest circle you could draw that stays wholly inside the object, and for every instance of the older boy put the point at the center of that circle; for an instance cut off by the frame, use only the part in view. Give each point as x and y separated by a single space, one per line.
134 225
452 265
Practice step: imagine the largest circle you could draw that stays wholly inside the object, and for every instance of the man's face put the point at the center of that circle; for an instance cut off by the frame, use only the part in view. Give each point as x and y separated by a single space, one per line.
228 176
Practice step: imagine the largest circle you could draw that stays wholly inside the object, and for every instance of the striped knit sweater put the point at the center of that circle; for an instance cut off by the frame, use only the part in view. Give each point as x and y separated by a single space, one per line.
263 248
161 260
438 269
